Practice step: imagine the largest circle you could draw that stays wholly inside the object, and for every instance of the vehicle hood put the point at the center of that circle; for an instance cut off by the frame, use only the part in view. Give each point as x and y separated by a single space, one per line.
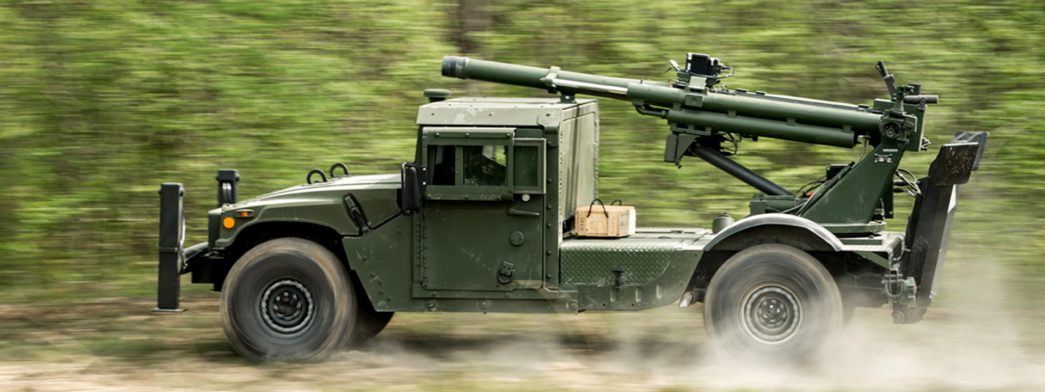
337 185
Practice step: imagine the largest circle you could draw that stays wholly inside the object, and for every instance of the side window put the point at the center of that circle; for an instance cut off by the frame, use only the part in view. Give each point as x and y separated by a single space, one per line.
529 166
482 163
485 165
442 161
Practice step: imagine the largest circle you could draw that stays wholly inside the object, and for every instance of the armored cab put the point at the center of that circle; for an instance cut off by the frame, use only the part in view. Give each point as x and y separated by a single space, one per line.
501 179
501 147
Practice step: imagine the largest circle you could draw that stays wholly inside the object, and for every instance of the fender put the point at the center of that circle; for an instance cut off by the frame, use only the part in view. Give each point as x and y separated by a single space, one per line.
745 225
328 212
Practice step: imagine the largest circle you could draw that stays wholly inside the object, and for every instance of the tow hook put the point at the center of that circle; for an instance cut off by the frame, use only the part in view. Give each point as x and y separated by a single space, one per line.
898 288
901 291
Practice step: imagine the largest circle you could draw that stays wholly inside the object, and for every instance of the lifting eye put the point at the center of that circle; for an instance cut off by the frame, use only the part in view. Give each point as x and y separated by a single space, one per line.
322 176
341 166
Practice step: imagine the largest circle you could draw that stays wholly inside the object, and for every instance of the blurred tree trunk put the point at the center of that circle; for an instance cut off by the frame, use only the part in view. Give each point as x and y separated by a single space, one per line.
471 17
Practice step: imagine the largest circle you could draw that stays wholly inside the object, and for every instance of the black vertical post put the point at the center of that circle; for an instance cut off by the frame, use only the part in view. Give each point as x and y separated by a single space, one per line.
171 238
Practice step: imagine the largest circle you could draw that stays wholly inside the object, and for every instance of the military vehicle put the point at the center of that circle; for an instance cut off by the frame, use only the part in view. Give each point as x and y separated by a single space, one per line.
484 220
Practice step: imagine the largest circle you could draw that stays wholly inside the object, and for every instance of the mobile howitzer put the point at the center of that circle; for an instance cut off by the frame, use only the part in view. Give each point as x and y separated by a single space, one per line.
495 214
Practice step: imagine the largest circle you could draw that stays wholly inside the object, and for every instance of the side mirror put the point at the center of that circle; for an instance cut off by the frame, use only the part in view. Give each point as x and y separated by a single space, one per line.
411 189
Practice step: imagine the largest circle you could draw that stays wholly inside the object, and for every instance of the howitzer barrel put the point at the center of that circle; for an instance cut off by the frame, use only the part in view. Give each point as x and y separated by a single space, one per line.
526 76
775 116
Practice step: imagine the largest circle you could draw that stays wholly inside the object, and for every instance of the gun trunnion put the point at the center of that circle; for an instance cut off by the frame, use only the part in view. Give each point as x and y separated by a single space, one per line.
483 219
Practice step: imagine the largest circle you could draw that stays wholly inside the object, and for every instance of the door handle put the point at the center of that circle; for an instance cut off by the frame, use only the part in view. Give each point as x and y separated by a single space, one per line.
518 212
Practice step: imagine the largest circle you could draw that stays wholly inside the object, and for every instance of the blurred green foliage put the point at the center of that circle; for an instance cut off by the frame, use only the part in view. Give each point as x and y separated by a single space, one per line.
100 101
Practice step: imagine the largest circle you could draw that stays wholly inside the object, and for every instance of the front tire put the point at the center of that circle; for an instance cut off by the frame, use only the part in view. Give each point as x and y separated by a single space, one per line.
772 301
288 299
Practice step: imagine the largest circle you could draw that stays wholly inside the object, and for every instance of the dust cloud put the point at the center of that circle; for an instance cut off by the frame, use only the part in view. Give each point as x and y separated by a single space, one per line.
979 338
984 336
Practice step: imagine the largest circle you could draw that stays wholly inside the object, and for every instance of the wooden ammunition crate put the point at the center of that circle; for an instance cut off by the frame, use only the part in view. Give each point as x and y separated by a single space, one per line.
598 220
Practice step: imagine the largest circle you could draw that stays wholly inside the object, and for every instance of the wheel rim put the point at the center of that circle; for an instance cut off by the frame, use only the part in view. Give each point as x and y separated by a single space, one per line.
287 307
771 314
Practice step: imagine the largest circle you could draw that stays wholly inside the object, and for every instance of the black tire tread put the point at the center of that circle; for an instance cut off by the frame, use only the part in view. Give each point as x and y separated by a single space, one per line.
736 273
343 313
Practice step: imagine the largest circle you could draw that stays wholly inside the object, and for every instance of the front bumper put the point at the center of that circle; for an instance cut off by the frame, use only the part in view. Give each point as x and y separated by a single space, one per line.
172 255
174 258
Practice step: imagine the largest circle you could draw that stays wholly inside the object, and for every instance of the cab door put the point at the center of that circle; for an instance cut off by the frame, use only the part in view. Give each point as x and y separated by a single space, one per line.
484 211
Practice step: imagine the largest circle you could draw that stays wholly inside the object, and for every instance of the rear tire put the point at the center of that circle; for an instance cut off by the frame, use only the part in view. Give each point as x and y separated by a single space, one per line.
772 301
288 299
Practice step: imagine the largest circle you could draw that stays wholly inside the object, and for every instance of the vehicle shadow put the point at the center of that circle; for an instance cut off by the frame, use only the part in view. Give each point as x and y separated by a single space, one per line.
533 345
123 331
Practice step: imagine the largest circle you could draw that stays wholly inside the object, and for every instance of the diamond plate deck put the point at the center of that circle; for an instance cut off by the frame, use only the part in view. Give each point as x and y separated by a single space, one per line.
641 258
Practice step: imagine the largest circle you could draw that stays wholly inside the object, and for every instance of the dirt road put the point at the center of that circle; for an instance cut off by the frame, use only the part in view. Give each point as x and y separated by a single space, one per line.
990 339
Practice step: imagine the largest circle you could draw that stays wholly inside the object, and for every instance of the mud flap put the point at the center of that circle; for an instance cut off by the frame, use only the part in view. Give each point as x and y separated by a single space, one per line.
929 226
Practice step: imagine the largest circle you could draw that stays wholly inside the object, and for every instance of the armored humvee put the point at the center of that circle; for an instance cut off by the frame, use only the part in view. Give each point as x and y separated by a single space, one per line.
484 220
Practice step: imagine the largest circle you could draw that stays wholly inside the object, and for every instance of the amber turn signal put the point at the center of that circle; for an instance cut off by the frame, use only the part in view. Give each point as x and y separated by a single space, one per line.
228 222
